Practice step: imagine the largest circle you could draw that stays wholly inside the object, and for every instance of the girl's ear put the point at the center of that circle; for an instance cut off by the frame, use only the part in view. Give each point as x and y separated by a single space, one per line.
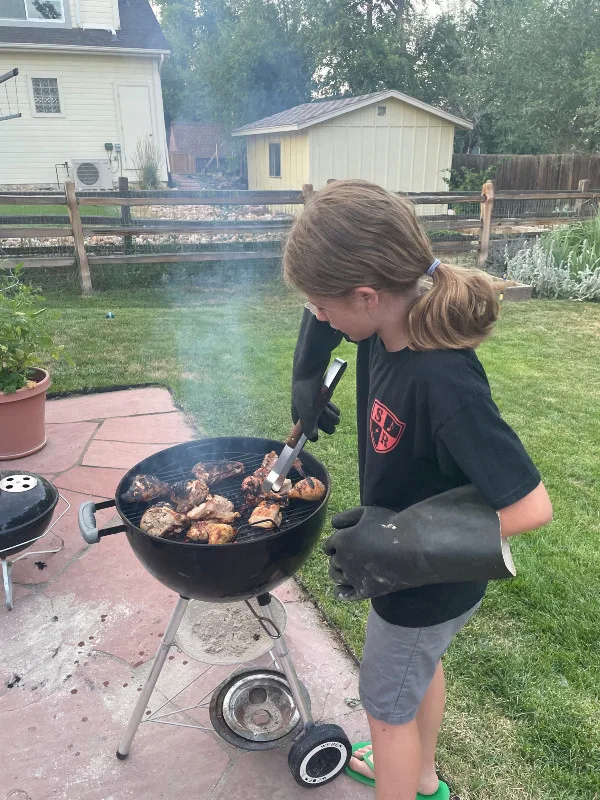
367 296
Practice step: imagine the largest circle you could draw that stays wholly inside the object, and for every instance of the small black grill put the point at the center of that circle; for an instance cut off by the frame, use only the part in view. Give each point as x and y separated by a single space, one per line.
293 514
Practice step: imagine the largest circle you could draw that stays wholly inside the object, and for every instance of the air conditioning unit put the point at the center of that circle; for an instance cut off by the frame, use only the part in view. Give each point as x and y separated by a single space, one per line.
92 173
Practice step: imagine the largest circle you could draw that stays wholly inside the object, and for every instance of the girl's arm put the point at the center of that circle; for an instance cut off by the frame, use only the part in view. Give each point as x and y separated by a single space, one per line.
533 511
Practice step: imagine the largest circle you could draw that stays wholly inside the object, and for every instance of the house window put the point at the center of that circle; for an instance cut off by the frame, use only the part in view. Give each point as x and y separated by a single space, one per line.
45 96
275 160
381 111
48 10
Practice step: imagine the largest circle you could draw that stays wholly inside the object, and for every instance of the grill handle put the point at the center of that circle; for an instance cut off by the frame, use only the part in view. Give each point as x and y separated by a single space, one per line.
87 521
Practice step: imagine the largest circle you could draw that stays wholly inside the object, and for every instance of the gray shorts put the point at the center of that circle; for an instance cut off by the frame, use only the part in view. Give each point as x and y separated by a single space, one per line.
399 663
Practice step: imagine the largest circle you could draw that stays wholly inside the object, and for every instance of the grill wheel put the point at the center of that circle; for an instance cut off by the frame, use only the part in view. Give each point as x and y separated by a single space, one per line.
319 755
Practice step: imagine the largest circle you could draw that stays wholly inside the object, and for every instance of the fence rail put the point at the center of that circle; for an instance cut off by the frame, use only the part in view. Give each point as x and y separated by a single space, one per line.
475 215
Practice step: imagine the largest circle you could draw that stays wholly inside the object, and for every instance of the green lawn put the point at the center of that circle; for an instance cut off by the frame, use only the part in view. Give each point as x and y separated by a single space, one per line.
523 717
53 211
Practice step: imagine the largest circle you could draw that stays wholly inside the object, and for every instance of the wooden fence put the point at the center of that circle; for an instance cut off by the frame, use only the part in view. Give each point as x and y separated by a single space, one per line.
478 226
546 172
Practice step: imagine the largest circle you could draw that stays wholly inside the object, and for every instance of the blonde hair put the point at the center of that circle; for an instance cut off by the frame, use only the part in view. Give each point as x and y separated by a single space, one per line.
353 233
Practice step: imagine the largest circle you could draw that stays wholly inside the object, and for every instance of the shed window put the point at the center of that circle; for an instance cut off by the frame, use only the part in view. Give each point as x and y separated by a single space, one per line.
50 10
275 160
45 95
381 111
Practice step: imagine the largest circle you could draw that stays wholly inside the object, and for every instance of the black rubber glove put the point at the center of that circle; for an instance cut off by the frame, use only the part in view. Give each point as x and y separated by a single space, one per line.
316 341
452 537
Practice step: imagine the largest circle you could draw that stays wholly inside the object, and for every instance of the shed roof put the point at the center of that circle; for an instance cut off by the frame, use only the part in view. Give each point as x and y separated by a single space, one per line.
307 114
198 139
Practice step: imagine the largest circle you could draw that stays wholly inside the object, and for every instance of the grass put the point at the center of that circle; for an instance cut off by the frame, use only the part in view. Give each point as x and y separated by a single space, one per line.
53 211
524 676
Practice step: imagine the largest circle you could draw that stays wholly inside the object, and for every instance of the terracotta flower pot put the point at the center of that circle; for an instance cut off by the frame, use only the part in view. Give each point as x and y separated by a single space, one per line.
22 419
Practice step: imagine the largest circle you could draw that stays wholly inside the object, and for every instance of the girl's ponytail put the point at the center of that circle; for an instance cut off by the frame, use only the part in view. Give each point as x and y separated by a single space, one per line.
458 311
353 234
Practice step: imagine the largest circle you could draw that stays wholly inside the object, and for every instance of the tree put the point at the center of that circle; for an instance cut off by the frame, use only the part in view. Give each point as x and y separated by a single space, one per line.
589 113
235 61
521 76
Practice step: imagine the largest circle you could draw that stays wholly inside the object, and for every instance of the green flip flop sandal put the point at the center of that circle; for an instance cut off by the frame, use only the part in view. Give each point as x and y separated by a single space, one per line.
442 792
368 759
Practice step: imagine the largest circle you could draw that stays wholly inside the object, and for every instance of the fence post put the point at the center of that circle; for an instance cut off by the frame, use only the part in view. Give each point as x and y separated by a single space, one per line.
487 208
584 186
77 228
125 215
307 191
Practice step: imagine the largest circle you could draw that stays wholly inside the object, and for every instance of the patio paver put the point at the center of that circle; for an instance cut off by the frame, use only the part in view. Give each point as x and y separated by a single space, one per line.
85 626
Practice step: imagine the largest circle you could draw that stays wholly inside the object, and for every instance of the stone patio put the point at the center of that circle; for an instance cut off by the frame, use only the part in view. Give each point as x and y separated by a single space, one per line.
87 621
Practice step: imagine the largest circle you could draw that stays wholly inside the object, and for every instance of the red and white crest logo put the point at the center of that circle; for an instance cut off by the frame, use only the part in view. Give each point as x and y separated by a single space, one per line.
386 428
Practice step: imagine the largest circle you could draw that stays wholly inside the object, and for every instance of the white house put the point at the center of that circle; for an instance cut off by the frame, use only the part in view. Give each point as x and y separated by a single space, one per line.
88 89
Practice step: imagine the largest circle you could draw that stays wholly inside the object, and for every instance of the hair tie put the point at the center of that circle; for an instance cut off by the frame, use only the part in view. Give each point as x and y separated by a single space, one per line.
434 266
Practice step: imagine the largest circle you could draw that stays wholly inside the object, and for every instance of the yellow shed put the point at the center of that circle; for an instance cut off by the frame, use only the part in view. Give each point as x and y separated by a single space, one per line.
386 137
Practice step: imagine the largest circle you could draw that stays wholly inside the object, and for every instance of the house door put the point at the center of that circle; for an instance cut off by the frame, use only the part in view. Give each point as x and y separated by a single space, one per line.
135 111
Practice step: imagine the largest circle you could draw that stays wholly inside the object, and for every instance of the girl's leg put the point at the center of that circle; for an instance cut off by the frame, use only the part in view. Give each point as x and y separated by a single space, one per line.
429 720
398 749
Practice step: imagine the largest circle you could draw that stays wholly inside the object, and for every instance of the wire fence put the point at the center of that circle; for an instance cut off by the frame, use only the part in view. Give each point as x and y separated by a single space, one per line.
127 237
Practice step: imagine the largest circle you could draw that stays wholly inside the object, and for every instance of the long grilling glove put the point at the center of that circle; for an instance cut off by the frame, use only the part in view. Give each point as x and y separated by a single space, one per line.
316 341
451 537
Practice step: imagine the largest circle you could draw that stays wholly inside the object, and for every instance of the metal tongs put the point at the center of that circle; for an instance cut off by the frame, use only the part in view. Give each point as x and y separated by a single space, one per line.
296 440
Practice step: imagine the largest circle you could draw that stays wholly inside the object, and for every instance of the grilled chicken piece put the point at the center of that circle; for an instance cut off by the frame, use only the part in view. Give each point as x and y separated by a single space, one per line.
253 492
145 488
224 470
187 494
199 471
163 521
309 489
216 508
268 463
211 532
198 532
266 515
218 472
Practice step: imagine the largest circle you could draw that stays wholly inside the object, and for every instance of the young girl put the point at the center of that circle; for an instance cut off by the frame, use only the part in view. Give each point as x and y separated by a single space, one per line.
427 424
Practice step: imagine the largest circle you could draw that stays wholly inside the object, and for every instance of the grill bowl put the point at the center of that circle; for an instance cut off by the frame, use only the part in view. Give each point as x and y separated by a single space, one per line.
256 562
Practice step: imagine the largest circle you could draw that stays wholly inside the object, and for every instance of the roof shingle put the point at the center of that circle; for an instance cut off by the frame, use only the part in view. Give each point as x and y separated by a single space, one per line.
139 30
306 113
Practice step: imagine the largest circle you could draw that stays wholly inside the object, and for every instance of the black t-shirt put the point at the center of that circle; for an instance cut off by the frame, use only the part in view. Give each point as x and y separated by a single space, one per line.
426 424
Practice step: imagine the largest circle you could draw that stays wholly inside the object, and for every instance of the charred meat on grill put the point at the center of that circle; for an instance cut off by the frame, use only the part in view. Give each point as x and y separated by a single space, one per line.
211 532
186 494
216 508
266 515
145 488
268 463
309 489
252 489
218 472
163 521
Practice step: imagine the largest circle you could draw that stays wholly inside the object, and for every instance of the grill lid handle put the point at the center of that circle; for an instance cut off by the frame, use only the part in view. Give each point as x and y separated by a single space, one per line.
87 521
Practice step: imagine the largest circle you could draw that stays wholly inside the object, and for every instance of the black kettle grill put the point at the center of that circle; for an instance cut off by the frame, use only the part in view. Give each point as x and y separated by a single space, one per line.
250 707
27 503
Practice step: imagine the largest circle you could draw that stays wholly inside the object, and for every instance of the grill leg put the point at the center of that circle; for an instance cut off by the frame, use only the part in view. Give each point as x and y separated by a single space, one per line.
283 655
6 566
157 665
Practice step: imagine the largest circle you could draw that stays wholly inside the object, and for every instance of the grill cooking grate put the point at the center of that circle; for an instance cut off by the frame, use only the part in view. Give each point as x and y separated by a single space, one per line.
293 514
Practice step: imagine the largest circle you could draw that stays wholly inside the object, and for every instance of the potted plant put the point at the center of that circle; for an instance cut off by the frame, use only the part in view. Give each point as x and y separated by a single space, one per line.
24 346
